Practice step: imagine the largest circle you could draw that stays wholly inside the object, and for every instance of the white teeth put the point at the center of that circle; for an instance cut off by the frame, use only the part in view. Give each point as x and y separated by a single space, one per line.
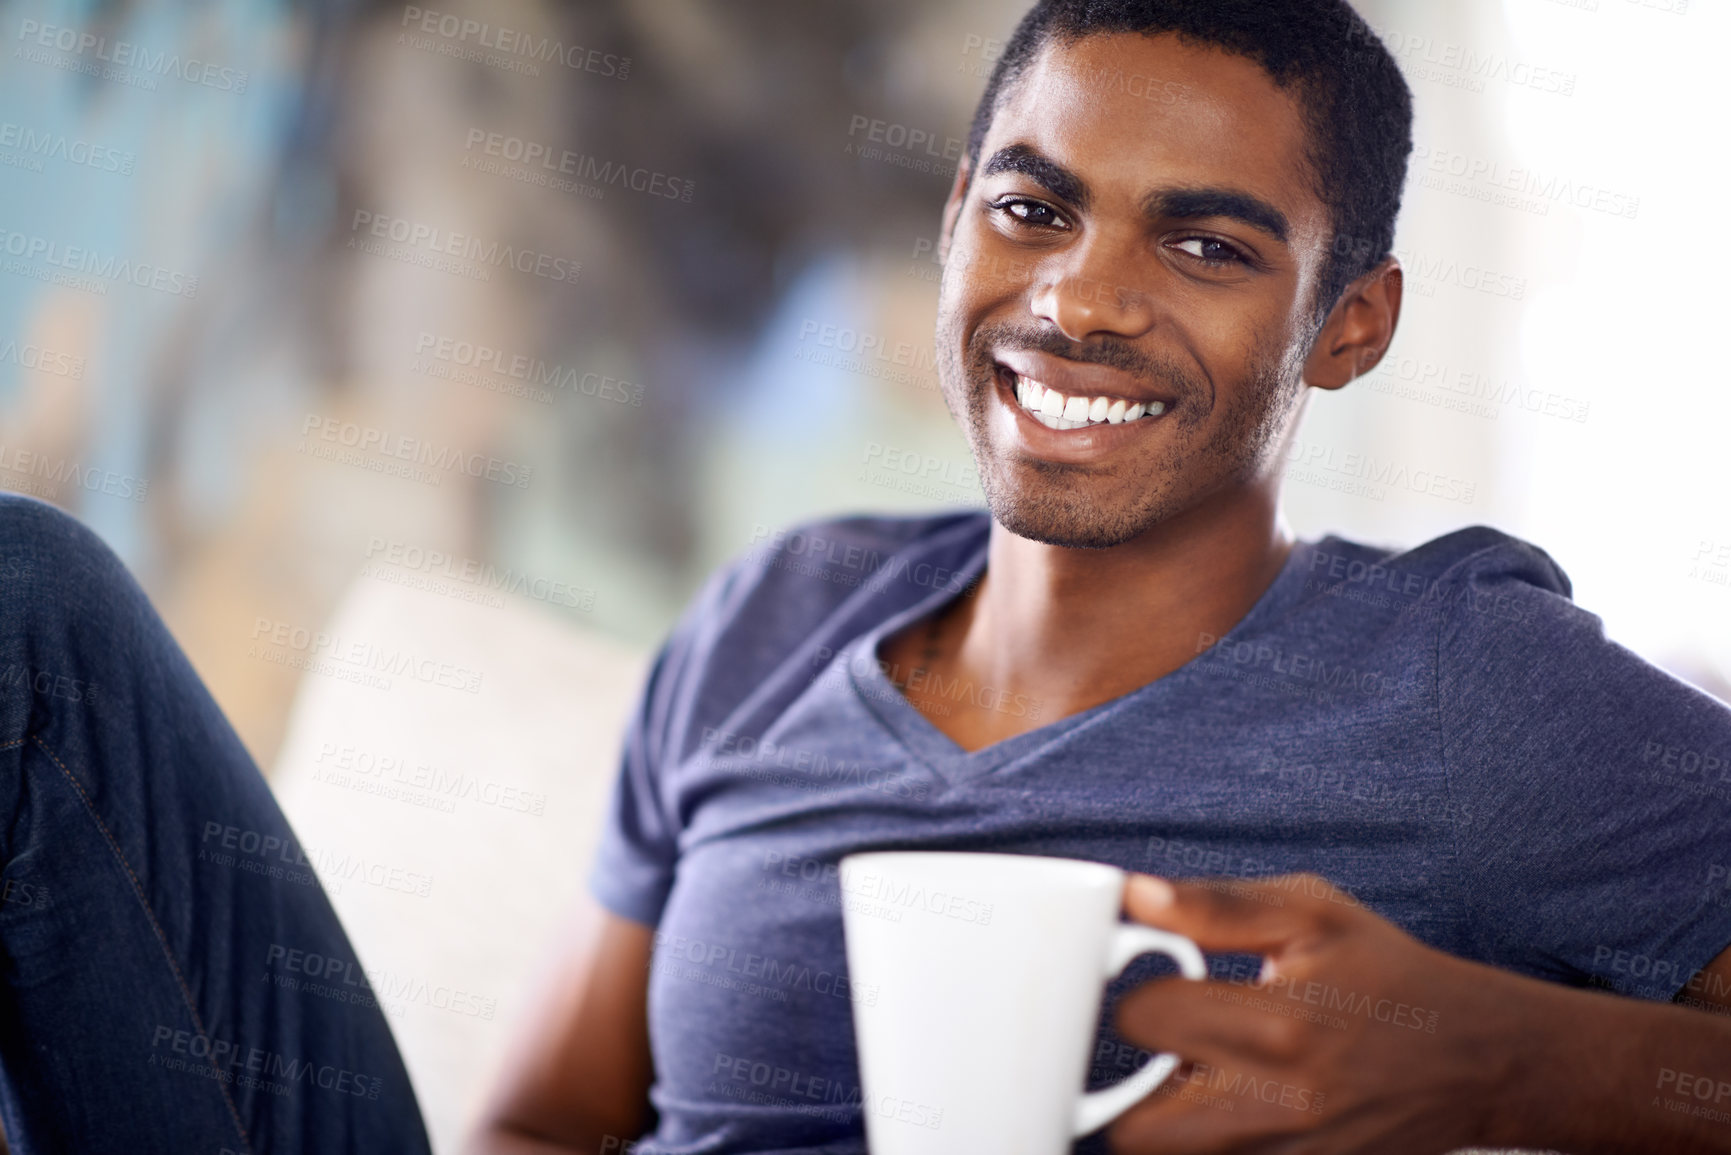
1056 411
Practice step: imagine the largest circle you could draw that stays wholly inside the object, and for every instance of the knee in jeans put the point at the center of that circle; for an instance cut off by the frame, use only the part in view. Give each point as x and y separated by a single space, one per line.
43 546
59 582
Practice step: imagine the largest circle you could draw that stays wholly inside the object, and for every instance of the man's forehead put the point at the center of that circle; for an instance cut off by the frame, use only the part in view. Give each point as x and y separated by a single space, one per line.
1131 112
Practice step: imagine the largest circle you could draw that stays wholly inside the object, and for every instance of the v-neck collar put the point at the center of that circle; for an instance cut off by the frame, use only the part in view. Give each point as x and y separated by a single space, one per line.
937 750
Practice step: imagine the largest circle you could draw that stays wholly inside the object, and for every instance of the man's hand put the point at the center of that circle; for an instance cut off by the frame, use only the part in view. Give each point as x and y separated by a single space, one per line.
1358 1038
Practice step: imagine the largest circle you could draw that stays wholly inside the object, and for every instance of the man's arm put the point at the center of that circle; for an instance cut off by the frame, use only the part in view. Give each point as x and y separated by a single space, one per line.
1710 988
1358 1038
579 1080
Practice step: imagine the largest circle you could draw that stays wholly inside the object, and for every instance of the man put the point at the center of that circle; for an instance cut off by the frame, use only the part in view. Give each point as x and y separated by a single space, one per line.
1132 661
1151 673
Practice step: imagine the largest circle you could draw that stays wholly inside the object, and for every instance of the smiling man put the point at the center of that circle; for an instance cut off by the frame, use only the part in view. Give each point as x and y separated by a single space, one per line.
1444 797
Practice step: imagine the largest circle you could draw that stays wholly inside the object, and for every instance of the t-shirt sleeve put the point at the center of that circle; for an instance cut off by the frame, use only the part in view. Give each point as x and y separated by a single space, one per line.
1595 787
638 851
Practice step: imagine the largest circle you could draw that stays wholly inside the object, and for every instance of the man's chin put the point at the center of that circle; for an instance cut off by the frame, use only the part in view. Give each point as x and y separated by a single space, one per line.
1067 527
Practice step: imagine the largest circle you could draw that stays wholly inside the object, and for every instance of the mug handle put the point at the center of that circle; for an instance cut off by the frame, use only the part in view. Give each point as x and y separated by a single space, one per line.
1098 1108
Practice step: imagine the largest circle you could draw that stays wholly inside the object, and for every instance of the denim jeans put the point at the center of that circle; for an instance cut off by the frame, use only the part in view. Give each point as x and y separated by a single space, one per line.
172 977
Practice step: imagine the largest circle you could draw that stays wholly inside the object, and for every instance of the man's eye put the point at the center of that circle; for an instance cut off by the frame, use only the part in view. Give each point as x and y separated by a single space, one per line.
1211 250
1031 213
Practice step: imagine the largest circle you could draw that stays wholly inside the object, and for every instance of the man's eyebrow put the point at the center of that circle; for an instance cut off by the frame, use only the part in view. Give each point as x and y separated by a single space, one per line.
1196 203
1180 203
1043 171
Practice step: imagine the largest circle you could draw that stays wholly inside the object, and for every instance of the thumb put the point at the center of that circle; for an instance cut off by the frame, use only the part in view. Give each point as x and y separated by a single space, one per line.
1230 914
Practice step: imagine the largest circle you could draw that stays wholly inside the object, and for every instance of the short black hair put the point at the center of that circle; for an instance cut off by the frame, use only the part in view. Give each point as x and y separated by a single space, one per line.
1353 98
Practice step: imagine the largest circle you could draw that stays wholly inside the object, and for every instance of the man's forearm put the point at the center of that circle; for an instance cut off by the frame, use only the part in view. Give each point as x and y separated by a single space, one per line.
1610 1075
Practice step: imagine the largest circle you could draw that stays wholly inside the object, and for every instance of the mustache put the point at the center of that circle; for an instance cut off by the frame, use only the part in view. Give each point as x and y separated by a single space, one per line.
1112 352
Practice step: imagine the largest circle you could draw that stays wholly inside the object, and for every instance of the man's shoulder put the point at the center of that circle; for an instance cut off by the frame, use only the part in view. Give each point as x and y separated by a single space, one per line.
766 620
1477 569
856 544
823 562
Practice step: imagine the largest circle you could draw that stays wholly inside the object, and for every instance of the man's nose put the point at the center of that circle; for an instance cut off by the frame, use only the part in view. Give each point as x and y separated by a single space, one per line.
1089 290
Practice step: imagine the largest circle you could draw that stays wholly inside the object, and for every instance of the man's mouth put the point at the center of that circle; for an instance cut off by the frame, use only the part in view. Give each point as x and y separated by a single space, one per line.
1056 410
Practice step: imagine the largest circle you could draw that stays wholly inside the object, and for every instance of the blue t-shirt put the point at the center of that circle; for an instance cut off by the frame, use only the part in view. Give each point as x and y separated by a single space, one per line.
1440 732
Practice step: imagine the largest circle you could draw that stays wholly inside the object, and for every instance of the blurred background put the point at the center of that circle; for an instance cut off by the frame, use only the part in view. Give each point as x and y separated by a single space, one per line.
483 332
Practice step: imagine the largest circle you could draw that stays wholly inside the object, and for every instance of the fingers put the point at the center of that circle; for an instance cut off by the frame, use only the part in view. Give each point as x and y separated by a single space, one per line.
1220 1111
1217 1023
1236 915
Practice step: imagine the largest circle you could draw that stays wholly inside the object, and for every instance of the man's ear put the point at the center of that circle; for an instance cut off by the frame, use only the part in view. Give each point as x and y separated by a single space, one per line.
1359 328
953 208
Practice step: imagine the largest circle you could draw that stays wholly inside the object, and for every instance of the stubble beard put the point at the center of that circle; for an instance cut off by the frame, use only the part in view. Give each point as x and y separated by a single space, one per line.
1082 508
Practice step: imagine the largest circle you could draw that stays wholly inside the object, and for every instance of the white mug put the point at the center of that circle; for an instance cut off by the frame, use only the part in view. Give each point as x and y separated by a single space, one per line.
990 970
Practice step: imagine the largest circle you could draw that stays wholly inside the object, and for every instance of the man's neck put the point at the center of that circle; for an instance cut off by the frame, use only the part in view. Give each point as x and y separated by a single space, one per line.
1069 629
